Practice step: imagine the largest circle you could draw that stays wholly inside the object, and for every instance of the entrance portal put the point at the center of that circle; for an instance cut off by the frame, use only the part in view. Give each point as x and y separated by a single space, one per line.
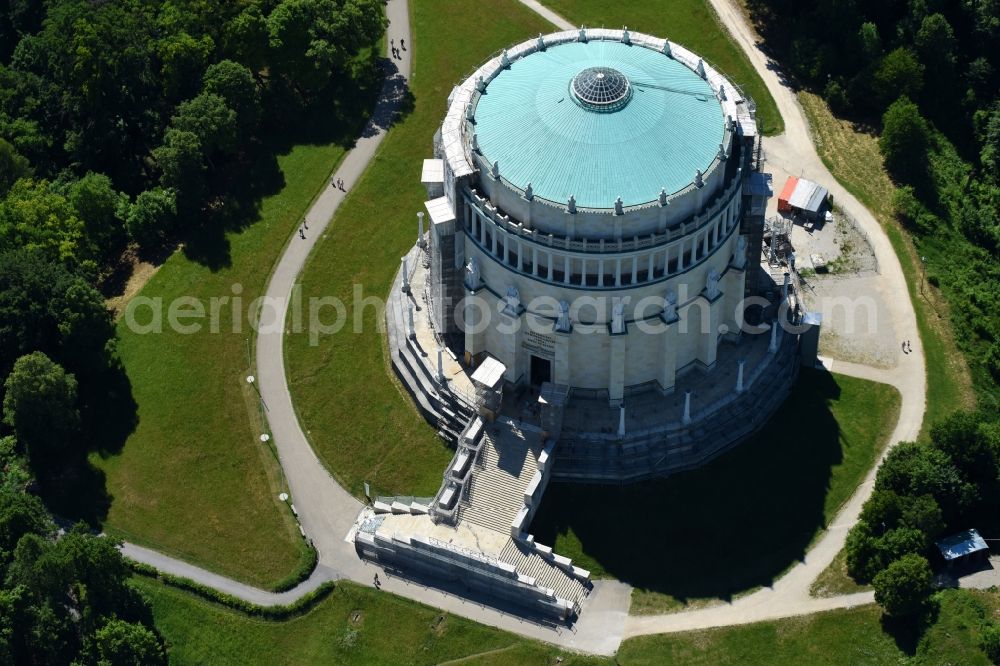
541 370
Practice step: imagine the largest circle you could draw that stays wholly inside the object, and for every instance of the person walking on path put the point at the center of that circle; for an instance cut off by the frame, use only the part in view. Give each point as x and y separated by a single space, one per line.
378 583
302 233
402 44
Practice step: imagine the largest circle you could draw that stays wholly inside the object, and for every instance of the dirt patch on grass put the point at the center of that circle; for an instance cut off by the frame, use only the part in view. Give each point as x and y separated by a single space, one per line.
139 272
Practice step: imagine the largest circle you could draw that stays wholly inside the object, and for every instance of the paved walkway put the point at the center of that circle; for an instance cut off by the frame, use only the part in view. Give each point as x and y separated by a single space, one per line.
327 511
794 152
175 567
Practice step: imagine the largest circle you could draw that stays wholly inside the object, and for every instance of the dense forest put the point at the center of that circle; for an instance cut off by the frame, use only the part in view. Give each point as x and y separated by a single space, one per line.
128 127
926 75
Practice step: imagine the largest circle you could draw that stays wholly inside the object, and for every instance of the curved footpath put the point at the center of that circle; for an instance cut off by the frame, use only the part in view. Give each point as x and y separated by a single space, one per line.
793 152
327 512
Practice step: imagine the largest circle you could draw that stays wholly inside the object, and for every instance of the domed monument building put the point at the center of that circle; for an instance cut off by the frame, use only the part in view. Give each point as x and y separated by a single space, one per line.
586 297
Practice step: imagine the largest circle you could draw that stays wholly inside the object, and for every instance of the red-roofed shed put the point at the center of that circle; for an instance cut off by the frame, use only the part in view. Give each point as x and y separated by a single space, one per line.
786 194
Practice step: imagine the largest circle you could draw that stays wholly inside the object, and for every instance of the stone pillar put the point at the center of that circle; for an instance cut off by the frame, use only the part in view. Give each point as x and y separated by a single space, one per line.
420 229
733 285
784 287
773 347
687 408
616 382
668 357
473 326
739 377
440 365
680 256
511 354
445 279
411 332
561 358
708 339
406 275
621 421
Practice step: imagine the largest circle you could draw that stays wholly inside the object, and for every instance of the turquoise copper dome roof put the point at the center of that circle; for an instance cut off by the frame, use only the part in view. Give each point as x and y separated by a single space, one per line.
599 120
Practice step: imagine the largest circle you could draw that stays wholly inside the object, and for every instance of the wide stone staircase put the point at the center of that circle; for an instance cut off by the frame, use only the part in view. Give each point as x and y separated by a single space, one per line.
495 492
446 411
528 562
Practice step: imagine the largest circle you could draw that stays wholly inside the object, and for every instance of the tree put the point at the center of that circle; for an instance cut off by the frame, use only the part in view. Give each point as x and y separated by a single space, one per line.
836 97
246 38
12 167
971 447
870 548
992 360
36 218
70 589
935 41
905 141
182 163
915 469
40 405
152 217
183 60
900 74
888 510
20 514
97 91
905 586
990 642
208 118
989 137
46 307
14 476
235 85
870 42
121 643
312 39
98 205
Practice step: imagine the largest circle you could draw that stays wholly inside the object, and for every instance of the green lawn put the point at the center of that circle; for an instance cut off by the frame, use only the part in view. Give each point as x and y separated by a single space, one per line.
739 522
691 23
834 580
855 637
353 625
193 479
360 423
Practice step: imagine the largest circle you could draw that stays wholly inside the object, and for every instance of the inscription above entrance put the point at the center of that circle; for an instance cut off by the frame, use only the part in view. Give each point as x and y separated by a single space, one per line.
537 343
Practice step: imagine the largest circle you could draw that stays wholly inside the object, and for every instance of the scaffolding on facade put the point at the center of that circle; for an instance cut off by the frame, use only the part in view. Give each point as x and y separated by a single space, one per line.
778 241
